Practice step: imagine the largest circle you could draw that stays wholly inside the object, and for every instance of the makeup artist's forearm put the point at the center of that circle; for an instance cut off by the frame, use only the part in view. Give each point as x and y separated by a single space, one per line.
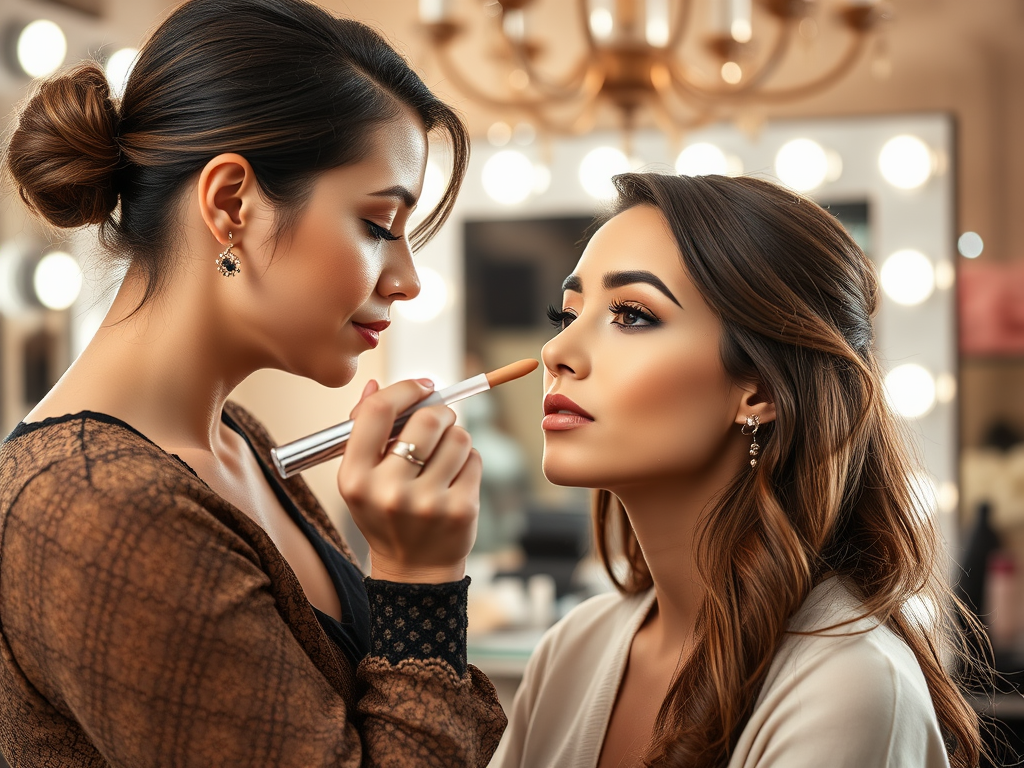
384 571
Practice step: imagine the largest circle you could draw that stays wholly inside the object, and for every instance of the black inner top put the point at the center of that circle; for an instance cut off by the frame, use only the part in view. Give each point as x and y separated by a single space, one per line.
352 633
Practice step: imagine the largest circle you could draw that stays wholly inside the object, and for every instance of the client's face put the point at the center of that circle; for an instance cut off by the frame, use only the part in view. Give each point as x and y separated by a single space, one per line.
635 390
330 280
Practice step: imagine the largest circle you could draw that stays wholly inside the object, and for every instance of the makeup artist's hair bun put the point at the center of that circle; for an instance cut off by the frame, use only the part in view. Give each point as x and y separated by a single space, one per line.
63 155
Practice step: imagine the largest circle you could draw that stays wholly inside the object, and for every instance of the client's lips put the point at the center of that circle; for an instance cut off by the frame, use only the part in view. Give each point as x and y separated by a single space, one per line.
561 413
371 331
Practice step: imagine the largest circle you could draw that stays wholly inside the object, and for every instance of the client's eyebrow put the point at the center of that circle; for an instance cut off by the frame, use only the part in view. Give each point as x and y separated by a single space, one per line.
619 279
399 192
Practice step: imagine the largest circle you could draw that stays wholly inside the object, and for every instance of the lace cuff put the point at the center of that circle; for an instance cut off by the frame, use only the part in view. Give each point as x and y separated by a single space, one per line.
419 621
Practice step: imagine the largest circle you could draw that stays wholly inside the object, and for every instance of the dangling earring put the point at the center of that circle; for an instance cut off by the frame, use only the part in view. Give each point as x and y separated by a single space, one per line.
750 428
227 262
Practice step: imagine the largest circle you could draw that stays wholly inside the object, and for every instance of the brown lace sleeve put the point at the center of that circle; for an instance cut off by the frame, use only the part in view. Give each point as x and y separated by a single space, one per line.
140 629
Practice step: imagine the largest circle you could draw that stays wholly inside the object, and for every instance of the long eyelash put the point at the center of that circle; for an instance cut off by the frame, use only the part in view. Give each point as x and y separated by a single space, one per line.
557 316
618 307
377 231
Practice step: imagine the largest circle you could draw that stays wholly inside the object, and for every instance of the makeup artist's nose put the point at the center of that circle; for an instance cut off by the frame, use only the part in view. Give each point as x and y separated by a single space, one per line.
399 281
564 356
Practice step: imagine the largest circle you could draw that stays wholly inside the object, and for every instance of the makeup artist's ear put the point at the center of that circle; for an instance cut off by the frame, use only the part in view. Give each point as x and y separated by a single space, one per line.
754 400
228 195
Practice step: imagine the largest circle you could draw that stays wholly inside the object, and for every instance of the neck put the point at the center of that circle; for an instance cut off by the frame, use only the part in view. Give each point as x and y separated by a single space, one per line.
665 517
174 372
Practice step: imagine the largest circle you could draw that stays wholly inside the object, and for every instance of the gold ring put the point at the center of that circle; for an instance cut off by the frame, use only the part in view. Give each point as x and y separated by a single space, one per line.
404 450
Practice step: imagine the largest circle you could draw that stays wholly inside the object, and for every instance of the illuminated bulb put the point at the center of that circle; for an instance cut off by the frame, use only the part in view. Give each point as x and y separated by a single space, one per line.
601 23
731 72
741 30
57 280
702 159
657 32
41 48
802 164
431 300
910 390
524 134
597 169
541 178
906 162
499 134
949 496
908 277
118 68
945 275
945 387
970 245
508 177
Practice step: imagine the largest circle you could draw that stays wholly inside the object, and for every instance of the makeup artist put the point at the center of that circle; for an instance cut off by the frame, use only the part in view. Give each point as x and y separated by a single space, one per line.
782 599
164 598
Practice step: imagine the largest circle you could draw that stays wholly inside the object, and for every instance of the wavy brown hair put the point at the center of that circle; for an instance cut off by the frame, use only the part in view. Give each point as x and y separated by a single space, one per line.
833 492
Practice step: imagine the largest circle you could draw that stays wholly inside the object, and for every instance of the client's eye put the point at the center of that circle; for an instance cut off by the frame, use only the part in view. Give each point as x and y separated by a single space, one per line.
377 232
629 315
560 318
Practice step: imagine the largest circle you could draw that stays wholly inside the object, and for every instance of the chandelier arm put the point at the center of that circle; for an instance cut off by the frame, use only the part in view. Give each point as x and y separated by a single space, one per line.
572 86
682 23
839 71
452 72
689 89
671 121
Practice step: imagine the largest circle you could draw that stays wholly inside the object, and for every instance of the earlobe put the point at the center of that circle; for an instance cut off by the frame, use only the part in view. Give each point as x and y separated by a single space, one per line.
755 403
226 191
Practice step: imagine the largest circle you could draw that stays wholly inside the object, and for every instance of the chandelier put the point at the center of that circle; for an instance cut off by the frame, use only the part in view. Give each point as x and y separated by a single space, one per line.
677 63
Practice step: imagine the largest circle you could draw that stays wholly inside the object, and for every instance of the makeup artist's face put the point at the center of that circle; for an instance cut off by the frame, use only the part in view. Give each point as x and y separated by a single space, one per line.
638 359
330 281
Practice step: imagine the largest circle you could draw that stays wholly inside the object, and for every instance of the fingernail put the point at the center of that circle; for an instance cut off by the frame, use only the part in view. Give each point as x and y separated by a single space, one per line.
425 383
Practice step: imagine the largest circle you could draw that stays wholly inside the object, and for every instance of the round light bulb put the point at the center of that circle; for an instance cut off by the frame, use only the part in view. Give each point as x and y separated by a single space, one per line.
970 245
41 48
601 23
499 134
430 302
802 164
702 159
906 162
910 390
541 178
598 168
118 68
57 280
908 277
508 177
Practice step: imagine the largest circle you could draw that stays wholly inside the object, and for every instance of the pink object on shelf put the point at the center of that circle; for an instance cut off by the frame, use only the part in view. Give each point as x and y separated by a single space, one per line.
991 303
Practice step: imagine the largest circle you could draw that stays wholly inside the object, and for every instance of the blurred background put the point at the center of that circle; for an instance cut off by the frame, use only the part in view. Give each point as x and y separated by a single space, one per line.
903 117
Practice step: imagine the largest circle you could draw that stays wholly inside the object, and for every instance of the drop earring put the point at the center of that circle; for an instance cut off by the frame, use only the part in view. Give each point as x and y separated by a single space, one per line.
227 262
750 428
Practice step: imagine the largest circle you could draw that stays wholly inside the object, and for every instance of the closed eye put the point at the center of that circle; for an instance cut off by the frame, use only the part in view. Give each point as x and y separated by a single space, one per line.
380 233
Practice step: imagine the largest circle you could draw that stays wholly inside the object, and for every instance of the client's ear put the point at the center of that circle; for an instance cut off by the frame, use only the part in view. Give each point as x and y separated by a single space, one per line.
755 402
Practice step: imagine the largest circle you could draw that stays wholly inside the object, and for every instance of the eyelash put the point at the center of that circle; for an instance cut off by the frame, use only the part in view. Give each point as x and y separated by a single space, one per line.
378 232
626 307
561 319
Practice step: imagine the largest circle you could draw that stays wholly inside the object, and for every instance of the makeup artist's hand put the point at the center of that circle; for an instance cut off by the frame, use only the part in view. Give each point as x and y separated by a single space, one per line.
420 523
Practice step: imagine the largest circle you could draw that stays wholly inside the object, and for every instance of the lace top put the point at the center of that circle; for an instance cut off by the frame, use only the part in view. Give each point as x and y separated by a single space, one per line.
145 621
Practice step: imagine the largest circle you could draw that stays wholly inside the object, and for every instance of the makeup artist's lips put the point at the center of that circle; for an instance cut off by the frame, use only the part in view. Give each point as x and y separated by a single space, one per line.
561 413
371 331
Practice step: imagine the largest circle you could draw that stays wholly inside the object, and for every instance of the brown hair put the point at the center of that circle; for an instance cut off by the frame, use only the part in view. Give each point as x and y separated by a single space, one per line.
293 89
833 492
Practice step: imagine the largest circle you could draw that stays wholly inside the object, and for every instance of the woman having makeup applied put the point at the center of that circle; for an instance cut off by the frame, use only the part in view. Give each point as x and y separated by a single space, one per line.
714 378
165 599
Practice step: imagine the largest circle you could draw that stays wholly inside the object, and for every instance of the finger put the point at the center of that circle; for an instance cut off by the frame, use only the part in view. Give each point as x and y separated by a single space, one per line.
423 431
448 458
373 424
371 387
465 490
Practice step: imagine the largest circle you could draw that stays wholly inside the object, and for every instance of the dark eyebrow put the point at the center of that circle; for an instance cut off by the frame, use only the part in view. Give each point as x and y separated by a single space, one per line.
619 279
399 192
572 283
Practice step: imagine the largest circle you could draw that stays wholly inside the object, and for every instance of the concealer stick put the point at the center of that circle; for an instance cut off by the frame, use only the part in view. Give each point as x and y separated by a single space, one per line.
299 455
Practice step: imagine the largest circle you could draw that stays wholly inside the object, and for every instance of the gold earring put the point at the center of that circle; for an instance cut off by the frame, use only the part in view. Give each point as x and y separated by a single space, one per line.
750 428
227 262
